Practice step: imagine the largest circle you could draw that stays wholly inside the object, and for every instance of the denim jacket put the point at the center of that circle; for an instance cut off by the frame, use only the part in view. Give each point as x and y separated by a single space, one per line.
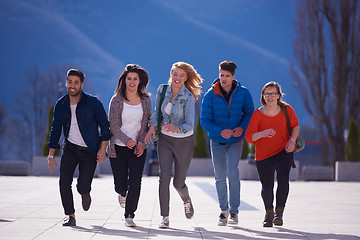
90 115
182 112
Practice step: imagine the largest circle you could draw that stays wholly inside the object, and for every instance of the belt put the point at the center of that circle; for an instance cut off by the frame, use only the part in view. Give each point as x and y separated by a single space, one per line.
80 148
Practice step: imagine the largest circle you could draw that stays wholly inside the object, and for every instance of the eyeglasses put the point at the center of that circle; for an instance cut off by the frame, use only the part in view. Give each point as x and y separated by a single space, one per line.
273 94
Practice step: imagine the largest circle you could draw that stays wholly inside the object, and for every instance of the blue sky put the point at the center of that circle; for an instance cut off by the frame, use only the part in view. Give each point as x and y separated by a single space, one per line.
101 37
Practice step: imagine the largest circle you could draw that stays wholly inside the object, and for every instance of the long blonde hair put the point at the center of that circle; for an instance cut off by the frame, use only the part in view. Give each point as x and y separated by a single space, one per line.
193 78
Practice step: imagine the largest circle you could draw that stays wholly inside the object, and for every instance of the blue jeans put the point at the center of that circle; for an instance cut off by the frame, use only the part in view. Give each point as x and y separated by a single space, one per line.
225 159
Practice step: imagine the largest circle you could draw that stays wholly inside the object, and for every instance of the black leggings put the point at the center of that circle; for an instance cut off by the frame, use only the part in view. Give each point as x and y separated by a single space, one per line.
281 163
127 169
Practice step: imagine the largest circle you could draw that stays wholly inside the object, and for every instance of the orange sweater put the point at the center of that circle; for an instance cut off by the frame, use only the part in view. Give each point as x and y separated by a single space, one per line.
266 147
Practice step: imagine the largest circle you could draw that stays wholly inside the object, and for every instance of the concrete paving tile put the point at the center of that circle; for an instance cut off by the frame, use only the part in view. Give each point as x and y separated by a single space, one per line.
315 210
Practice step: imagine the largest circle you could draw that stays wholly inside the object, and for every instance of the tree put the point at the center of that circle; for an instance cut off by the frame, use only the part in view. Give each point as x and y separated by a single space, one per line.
352 147
252 149
326 50
200 145
32 102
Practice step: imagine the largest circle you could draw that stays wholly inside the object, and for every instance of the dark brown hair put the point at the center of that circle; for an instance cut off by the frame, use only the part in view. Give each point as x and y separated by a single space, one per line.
228 65
76 72
143 76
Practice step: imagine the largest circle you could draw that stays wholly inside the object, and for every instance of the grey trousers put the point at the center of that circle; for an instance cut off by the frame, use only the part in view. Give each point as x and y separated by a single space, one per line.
178 151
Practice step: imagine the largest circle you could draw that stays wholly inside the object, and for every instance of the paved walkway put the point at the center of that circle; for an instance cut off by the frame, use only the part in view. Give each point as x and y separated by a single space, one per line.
30 208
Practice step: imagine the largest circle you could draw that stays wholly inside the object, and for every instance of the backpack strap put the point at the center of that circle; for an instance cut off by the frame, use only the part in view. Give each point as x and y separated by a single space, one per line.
284 109
160 117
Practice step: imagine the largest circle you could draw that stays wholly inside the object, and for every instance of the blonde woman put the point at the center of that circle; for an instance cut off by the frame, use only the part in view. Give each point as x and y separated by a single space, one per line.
176 141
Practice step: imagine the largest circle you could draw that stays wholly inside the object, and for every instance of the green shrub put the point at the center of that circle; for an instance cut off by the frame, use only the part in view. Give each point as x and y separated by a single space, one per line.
352 146
252 149
245 150
200 146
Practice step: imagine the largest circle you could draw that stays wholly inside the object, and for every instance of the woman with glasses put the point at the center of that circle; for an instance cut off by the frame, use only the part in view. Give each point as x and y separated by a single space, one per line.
273 149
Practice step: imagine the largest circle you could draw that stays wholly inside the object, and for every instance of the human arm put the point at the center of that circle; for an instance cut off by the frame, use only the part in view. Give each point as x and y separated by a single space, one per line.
147 108
290 146
254 132
101 154
248 110
207 115
294 123
56 127
115 111
266 133
189 116
51 160
102 121
154 117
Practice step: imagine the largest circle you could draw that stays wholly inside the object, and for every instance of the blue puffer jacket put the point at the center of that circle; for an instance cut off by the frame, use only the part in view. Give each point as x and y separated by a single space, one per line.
217 114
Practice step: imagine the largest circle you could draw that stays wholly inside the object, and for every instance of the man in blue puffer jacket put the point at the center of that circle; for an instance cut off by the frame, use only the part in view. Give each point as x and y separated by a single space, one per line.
225 114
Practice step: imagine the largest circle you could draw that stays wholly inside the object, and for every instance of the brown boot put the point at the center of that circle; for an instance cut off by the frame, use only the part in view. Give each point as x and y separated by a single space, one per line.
269 216
278 218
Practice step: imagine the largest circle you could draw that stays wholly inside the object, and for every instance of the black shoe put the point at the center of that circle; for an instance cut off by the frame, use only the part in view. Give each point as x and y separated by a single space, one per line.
86 201
70 223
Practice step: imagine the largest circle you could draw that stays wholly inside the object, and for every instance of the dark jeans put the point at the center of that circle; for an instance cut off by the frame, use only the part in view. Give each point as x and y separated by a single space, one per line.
73 155
127 170
281 163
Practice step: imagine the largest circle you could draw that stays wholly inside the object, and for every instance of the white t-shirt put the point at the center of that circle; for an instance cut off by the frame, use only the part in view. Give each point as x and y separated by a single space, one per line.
131 122
75 136
167 110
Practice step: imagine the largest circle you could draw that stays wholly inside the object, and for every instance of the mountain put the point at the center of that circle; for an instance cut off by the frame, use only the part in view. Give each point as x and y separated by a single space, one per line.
101 37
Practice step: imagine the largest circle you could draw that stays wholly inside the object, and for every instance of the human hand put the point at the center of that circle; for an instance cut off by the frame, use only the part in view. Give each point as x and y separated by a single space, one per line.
139 149
290 146
100 157
51 162
237 132
226 133
131 143
150 134
268 133
169 127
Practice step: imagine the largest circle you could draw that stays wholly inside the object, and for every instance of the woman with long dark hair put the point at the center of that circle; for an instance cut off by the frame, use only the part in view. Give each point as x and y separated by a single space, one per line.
129 112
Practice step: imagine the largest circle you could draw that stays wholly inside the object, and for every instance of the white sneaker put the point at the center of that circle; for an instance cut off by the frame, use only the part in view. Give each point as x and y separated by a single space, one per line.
234 219
223 218
122 200
164 223
189 209
129 222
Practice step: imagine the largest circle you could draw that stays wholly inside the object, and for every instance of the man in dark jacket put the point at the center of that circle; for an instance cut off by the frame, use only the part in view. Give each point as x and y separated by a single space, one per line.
225 114
79 115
